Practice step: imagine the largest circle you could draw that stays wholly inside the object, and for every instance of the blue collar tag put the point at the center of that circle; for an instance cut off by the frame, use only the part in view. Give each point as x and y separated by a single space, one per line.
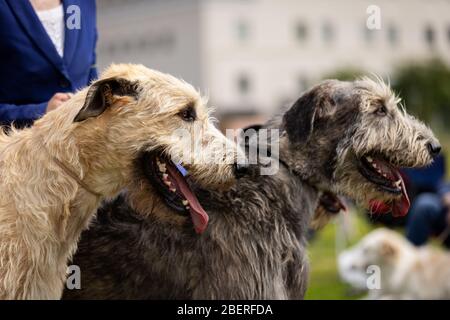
181 169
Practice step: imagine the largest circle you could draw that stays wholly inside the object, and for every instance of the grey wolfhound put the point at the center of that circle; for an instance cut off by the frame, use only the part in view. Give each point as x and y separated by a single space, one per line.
349 138
54 175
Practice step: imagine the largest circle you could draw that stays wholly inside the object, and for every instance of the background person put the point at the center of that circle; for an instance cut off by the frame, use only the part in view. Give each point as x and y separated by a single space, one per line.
41 58
430 216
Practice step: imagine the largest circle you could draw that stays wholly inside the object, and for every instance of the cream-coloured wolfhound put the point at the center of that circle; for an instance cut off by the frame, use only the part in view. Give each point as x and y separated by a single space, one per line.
54 175
389 267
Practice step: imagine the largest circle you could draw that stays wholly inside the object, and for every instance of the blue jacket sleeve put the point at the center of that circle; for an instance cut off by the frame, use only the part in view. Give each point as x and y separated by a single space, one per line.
93 74
26 112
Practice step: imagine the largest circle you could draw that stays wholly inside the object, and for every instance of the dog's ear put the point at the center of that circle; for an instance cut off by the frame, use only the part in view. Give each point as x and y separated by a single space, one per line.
101 94
299 119
312 106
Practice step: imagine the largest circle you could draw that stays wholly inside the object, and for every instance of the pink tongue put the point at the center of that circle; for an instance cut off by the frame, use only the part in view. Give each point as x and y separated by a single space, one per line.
198 214
400 207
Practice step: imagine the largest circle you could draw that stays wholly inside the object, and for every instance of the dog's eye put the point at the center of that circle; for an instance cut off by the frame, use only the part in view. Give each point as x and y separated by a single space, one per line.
382 110
188 114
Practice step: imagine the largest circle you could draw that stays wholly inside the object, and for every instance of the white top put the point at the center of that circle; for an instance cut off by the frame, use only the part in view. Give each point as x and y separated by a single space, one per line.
53 22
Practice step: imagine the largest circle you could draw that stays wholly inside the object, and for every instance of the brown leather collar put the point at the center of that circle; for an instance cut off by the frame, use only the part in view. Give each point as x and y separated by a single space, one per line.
75 177
70 173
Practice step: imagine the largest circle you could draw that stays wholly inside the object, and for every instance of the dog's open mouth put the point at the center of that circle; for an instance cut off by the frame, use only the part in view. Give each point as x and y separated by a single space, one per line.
170 181
387 178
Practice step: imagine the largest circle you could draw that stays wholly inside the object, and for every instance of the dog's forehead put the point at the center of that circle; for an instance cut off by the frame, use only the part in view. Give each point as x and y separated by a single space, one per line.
149 79
376 90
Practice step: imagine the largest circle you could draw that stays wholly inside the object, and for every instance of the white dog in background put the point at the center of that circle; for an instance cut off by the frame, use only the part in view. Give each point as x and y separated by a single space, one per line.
403 271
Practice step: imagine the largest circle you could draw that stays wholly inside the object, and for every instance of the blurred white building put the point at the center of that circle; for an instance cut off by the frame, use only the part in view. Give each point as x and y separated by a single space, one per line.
258 54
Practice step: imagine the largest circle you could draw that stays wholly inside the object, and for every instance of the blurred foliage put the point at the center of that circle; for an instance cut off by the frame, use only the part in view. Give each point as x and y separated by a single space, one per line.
324 281
425 90
349 74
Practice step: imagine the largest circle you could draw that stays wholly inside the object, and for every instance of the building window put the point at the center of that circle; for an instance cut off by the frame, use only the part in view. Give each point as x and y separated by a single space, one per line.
301 32
429 36
243 84
448 34
242 30
369 34
392 35
327 32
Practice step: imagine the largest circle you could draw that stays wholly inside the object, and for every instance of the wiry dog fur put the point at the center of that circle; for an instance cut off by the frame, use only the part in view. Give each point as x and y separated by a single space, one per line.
254 247
96 136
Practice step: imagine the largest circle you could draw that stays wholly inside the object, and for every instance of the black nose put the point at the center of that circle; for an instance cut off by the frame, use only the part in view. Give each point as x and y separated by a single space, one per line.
434 148
240 169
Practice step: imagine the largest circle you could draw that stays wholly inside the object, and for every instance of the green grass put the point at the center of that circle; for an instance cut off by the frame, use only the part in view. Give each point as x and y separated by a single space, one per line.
324 280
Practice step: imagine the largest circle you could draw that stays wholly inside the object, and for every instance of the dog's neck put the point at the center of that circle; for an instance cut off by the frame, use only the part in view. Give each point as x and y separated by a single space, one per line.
287 149
67 156
106 166
80 165
302 163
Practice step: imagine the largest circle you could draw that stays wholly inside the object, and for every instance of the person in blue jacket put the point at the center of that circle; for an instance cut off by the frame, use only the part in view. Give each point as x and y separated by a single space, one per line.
47 51
429 214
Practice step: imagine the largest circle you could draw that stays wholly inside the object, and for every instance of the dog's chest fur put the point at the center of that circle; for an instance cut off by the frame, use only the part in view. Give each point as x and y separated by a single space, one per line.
254 247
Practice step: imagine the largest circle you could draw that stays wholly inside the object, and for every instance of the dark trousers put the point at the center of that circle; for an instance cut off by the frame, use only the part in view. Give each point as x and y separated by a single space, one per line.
426 217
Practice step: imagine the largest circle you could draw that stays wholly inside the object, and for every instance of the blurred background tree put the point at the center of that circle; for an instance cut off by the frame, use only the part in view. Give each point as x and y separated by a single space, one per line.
345 74
425 90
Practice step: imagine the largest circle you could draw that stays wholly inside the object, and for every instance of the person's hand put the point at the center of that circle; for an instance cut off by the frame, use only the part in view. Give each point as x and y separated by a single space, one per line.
446 204
446 200
57 100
